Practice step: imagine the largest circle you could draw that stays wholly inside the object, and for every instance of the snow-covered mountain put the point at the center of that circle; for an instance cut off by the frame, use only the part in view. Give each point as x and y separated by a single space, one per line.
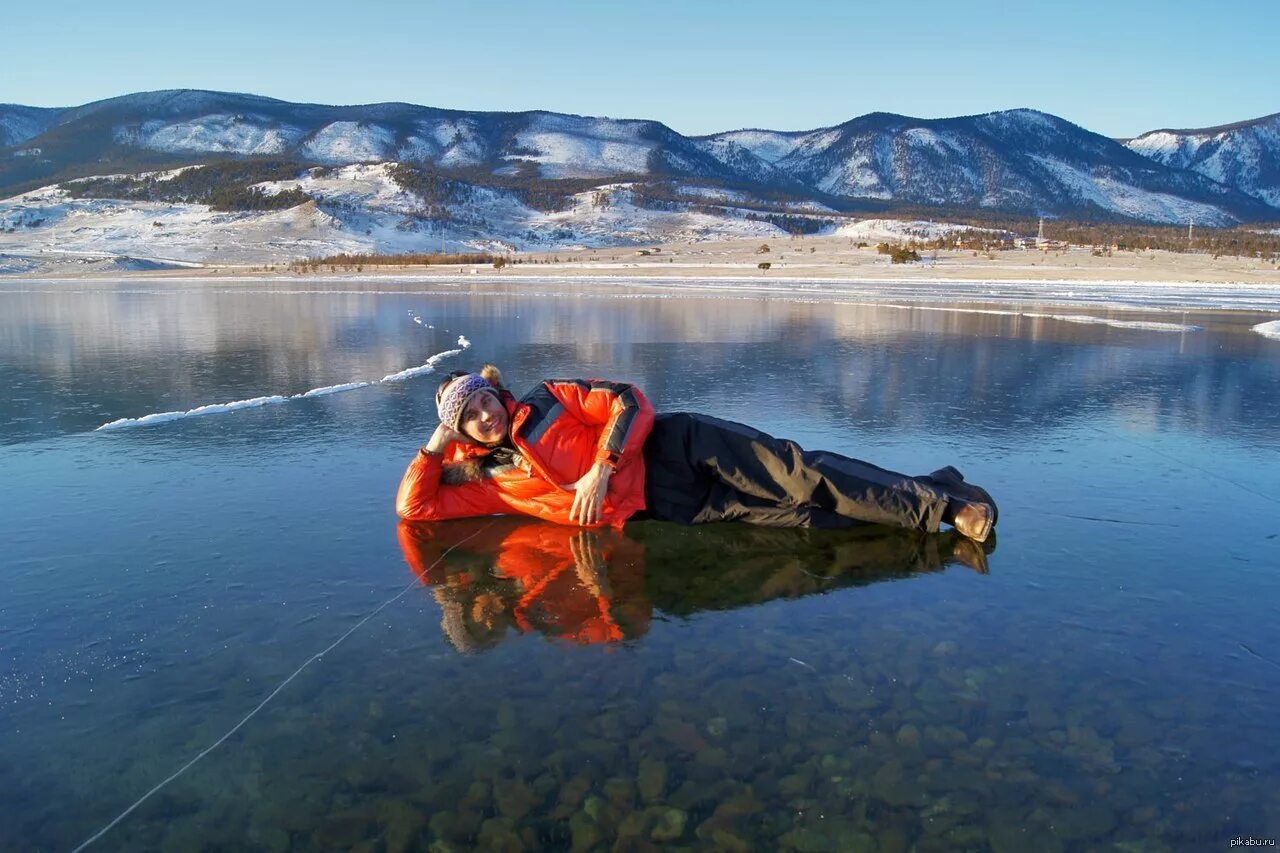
19 123
156 129
1018 161
1245 155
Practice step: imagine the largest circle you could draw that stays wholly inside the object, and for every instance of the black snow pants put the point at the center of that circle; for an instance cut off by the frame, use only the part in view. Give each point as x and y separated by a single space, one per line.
700 469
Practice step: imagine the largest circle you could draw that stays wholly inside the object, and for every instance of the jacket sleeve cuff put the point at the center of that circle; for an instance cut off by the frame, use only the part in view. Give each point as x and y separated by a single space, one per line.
608 457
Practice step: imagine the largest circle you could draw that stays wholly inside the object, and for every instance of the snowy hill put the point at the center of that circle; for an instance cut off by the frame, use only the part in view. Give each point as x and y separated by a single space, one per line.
19 123
155 129
510 178
1245 155
353 208
1020 161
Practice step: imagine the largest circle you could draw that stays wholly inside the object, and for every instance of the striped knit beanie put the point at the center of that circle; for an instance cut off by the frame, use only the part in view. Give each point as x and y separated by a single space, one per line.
453 399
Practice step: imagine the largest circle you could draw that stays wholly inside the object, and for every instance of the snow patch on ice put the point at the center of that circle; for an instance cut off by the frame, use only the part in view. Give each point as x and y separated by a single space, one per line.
1150 325
211 409
255 402
428 367
331 389
1269 330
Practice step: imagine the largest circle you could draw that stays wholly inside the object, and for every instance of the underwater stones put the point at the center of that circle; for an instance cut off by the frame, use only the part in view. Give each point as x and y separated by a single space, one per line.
735 807
1143 814
1041 715
688 796
401 825
459 826
669 825
586 833
888 774
849 695
892 839
829 764
891 785
796 724
830 834
439 846
1008 833
275 840
1054 791
714 757
634 825
1085 823
478 795
965 836
499 834
908 737
572 793
946 648
723 839
513 797
543 786
620 792
947 736
598 750
612 726
598 809
652 778
794 784
681 735
343 830
509 742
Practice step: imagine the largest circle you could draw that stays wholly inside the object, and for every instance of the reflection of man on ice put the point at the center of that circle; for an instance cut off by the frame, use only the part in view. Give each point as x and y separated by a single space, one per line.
497 576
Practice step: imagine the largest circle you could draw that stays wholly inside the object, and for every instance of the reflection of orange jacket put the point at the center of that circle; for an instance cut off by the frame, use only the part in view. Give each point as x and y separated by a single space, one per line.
562 428
553 598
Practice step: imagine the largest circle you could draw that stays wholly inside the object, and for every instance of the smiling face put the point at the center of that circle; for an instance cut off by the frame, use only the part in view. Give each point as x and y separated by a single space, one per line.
484 418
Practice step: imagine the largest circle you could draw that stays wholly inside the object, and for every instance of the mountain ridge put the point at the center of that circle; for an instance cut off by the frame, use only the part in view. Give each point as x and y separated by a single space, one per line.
1021 161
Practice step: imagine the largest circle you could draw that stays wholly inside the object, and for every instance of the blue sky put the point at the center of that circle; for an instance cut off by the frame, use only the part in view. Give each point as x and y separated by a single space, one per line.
1119 68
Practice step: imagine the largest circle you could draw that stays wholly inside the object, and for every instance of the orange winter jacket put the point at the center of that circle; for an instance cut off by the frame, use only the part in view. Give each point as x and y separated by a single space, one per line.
562 427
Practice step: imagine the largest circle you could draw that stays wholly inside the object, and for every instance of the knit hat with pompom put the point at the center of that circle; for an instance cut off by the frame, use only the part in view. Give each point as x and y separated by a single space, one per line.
453 398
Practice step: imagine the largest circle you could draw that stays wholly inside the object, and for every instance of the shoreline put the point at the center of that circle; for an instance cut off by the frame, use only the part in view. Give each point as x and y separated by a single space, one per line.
819 261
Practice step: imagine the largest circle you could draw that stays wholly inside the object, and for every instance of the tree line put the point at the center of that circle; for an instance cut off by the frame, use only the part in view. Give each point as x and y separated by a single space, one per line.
356 262
223 186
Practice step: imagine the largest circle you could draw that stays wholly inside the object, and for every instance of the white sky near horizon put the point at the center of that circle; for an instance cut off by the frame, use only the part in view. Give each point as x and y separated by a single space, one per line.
1117 68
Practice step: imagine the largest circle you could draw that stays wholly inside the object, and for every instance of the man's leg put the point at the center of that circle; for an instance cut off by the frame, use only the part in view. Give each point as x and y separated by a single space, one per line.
780 474
725 503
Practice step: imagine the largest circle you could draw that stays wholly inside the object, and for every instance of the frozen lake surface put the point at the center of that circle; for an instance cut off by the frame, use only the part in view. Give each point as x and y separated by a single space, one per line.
224 566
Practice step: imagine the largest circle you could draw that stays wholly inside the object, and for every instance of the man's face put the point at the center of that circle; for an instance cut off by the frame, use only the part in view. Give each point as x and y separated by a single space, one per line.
484 418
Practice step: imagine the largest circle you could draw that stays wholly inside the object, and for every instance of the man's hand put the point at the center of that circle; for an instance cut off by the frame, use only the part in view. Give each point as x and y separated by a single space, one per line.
588 494
441 437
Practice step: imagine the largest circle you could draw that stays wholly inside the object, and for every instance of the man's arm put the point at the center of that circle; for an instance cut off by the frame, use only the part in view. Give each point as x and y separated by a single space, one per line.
421 496
620 407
